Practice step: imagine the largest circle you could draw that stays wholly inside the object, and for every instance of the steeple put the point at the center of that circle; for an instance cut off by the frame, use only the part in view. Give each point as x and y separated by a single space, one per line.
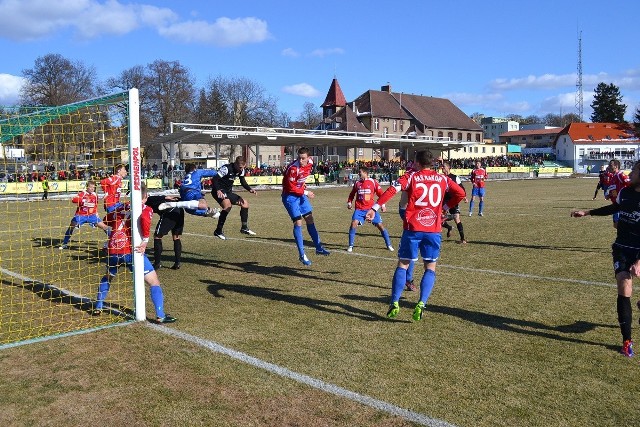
334 101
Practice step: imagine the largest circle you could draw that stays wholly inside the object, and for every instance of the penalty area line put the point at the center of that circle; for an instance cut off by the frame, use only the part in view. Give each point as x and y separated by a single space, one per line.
377 404
452 267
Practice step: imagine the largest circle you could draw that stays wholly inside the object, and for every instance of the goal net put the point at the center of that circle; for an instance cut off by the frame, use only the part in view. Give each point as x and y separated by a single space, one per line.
47 156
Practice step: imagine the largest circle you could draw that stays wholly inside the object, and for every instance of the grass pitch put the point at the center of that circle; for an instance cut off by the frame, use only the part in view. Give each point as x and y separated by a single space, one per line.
520 329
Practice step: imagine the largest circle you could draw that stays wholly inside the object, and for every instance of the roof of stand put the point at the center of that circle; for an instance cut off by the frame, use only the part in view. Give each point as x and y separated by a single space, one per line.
188 133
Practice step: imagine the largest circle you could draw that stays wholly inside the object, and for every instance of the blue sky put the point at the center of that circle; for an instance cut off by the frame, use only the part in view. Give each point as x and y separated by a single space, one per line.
493 57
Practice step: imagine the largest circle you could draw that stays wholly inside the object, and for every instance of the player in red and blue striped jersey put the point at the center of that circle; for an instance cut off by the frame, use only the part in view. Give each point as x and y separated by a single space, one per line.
364 192
426 190
120 253
86 213
295 198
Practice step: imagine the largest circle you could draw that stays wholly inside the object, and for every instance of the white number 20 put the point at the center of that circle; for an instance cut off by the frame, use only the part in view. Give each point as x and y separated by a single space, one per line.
433 192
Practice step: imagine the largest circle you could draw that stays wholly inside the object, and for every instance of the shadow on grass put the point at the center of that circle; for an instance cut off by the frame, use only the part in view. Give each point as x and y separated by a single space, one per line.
549 247
508 324
91 253
278 271
214 288
55 295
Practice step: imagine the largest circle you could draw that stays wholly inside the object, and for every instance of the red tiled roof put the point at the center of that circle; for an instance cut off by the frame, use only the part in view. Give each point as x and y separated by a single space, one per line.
436 112
335 97
598 132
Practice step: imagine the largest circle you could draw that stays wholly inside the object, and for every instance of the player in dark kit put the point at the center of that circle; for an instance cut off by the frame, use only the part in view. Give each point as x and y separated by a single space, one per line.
171 220
454 211
222 191
625 250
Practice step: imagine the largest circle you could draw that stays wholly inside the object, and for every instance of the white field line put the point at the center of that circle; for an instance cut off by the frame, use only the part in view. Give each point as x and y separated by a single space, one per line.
452 267
305 379
62 291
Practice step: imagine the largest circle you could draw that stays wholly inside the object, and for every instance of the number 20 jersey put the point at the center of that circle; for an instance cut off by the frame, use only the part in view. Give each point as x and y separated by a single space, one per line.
426 190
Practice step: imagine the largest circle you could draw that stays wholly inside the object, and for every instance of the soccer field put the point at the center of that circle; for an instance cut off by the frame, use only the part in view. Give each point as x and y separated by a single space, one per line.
521 328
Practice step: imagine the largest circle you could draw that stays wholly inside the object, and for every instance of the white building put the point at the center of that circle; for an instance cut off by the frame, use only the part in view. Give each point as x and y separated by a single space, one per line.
590 145
494 126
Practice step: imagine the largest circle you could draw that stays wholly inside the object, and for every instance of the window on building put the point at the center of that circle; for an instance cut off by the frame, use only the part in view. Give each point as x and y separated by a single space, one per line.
484 149
401 125
459 136
197 154
477 137
385 131
450 135
376 124
493 149
395 125
440 134
468 136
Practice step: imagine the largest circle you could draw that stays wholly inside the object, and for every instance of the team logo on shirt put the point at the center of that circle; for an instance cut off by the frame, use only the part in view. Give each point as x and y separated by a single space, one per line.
119 240
426 217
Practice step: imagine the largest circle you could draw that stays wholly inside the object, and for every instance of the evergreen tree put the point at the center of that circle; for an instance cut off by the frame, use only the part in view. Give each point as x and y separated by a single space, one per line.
607 104
636 120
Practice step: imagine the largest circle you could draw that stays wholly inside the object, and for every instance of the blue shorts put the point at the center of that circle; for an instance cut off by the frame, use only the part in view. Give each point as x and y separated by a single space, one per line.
114 207
616 217
359 214
190 194
427 243
92 220
115 261
296 206
477 192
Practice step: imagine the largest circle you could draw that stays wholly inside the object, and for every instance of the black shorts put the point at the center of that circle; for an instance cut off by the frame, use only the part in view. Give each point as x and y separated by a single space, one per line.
233 197
454 210
170 221
624 258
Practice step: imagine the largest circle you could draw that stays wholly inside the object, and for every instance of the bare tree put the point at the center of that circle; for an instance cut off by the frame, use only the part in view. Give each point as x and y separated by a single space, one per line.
55 80
310 115
171 92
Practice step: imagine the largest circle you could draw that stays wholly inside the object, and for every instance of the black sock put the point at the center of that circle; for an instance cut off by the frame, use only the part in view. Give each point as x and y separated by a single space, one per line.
460 230
447 226
244 216
177 250
157 251
624 316
221 220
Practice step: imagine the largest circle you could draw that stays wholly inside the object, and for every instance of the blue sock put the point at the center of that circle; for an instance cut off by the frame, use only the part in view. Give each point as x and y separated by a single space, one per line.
313 232
158 300
297 236
385 236
412 265
471 206
480 206
352 236
103 290
399 279
426 285
67 235
108 232
199 212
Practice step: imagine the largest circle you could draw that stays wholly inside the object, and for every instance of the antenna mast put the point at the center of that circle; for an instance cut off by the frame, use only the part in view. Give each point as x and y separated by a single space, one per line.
579 99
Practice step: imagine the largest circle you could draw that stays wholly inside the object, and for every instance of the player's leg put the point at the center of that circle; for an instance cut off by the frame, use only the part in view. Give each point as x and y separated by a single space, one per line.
377 221
623 260
306 211
67 235
357 219
596 192
244 216
408 251
430 251
177 251
226 206
458 221
481 202
448 227
292 205
155 291
474 192
113 262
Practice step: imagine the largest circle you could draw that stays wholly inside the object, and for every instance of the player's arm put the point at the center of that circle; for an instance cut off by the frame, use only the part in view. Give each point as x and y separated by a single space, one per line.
601 211
245 184
352 194
456 193
145 229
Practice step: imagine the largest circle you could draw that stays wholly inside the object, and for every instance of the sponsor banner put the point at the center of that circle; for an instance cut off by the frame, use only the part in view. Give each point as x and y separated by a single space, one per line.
520 169
273 180
498 170
63 186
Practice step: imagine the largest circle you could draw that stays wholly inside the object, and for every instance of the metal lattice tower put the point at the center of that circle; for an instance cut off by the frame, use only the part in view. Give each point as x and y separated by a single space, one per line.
579 106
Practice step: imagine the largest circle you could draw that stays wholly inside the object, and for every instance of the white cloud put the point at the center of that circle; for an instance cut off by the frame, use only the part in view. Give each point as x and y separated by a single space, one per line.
10 89
223 32
325 52
545 81
289 52
26 20
302 89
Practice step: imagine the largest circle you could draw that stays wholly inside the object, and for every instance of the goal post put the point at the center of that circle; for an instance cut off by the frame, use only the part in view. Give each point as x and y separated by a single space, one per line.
50 271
